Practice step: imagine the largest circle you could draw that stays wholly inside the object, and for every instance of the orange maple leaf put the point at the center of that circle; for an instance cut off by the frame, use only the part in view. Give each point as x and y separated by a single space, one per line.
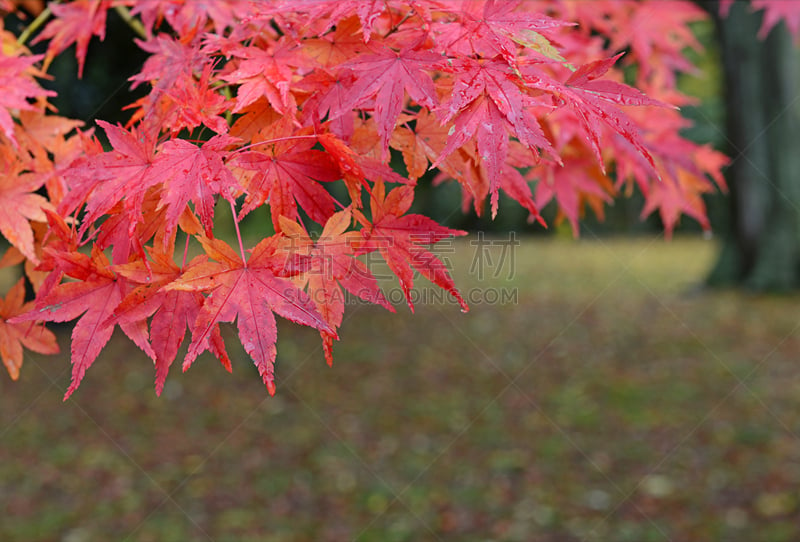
13 336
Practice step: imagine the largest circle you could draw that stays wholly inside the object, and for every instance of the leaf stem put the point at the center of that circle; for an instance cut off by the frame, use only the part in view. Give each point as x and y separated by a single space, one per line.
185 252
276 140
135 24
34 26
238 233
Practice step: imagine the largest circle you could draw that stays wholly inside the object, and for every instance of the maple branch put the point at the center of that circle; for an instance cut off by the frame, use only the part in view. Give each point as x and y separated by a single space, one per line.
133 22
238 233
34 26
396 27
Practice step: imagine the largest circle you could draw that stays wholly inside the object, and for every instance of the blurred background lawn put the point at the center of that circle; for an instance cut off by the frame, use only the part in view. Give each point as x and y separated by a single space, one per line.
612 400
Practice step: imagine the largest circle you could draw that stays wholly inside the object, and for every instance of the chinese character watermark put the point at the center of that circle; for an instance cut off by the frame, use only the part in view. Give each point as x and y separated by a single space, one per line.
491 259
494 258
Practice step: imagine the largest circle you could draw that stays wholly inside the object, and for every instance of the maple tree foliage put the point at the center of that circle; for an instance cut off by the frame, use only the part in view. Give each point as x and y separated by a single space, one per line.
262 106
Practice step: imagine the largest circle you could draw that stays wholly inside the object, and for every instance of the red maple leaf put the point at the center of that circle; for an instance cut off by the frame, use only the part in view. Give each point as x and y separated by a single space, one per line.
658 33
187 16
414 149
673 197
337 46
192 102
400 239
327 94
287 174
196 174
596 103
249 292
45 137
19 203
61 239
331 11
385 73
489 27
425 143
171 310
577 181
94 296
170 59
349 164
75 22
487 97
356 168
776 11
687 168
13 336
332 266
123 173
262 73
16 86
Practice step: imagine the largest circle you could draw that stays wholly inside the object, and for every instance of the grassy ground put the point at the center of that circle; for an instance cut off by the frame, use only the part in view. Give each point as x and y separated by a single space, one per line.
610 401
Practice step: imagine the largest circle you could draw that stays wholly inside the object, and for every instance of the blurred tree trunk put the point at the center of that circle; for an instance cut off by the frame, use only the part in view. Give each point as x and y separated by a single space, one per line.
762 245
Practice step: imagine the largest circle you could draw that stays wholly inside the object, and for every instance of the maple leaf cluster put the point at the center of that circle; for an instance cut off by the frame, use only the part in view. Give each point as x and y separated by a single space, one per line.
263 107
